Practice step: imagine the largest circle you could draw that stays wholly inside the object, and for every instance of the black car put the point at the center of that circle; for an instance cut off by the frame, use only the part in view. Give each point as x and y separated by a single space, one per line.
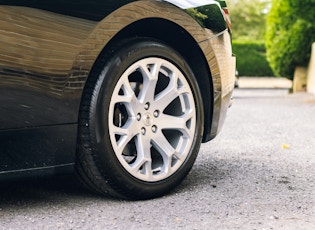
122 92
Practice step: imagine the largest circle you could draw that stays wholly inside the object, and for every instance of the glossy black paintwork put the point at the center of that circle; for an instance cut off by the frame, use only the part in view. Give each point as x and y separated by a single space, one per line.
88 9
40 83
37 147
35 70
39 100
209 16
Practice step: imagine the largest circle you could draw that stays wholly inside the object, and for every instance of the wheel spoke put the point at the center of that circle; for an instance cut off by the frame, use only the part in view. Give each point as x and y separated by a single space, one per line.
157 119
128 98
125 134
143 161
172 91
179 123
167 152
150 78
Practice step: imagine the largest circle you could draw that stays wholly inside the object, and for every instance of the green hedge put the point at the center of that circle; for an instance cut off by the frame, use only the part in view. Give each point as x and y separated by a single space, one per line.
251 59
290 33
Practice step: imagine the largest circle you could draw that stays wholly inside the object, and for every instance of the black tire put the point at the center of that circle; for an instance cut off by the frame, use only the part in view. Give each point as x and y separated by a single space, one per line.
106 120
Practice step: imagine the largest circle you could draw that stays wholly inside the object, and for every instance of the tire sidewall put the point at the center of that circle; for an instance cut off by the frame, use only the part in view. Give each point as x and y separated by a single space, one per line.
105 157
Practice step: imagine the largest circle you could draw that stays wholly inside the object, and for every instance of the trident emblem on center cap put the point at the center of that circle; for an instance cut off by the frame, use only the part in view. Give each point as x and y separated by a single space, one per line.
147 119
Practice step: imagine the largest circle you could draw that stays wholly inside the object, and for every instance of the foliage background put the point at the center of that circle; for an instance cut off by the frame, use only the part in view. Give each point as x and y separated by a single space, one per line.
251 58
290 33
248 33
249 18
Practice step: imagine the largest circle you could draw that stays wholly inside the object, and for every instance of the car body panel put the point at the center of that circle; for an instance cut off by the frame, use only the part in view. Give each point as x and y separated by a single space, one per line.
187 4
47 51
37 148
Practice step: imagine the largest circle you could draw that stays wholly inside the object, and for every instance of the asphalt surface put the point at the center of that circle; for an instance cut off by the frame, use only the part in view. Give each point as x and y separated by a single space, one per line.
259 173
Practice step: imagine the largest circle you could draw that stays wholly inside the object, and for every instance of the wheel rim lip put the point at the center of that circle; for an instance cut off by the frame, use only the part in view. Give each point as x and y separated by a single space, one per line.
147 128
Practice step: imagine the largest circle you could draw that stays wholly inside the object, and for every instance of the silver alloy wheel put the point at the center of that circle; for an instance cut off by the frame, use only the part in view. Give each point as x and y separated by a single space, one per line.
152 119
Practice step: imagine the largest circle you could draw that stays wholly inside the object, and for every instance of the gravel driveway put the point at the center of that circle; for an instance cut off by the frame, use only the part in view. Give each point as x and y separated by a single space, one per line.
259 173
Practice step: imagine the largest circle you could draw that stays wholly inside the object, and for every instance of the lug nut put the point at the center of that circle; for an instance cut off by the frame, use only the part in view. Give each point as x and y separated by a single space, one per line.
154 128
147 106
156 113
138 116
143 131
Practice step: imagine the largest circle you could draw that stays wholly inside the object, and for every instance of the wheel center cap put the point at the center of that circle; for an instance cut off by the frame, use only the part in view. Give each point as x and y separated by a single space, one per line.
147 119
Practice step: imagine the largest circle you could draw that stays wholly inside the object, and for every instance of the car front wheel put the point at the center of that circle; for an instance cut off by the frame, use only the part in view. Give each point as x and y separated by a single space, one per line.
141 120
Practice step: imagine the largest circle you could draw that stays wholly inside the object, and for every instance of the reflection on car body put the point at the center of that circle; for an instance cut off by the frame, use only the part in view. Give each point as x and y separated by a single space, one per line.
123 92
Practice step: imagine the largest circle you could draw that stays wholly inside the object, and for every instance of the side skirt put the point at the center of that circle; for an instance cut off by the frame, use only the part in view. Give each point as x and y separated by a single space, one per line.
37 150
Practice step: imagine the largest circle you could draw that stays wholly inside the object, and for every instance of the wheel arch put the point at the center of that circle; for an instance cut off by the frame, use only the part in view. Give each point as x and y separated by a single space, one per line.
160 21
169 33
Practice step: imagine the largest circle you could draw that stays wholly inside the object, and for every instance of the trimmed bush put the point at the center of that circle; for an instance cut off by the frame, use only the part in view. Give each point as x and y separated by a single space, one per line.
251 59
289 36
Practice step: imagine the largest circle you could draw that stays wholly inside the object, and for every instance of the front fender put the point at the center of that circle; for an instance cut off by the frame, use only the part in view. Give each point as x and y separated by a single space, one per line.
186 4
208 13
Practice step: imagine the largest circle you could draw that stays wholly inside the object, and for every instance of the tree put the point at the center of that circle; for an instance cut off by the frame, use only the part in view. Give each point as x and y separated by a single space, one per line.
248 33
290 33
248 18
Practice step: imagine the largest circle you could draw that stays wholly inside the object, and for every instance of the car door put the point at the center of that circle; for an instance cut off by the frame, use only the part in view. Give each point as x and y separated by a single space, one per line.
39 87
